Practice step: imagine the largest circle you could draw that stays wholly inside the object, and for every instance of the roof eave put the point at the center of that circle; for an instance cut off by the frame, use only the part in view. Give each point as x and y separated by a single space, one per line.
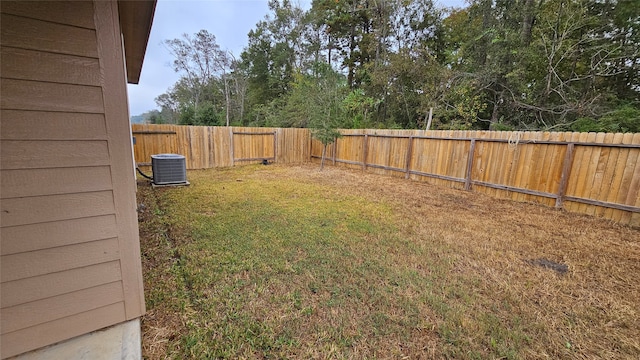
136 18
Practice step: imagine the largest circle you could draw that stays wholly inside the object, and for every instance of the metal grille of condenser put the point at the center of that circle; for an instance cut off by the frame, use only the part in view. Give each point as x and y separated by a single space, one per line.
168 169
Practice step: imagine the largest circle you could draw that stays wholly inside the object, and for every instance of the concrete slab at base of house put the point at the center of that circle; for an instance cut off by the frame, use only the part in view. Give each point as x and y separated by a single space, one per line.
120 341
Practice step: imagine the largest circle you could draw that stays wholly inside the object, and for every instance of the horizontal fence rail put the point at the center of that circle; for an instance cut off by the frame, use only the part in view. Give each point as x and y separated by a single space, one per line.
591 173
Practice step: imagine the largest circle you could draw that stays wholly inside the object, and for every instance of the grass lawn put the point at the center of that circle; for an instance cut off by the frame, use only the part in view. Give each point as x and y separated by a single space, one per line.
288 262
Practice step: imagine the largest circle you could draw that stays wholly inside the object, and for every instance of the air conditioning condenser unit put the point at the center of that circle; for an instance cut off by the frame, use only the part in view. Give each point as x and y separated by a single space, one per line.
169 169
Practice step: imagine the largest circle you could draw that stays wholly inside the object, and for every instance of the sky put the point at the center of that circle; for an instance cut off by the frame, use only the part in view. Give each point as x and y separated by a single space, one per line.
229 20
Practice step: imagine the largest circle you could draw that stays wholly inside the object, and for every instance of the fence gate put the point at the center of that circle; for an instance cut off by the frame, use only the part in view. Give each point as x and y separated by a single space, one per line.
253 146
147 143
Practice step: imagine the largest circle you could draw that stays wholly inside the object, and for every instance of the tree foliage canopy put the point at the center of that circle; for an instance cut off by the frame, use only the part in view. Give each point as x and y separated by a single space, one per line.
494 64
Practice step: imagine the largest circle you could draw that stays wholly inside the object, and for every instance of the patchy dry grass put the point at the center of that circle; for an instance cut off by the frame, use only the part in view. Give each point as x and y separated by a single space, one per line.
289 262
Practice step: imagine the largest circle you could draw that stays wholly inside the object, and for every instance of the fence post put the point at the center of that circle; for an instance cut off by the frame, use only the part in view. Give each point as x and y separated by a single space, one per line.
566 171
467 180
364 152
408 162
231 145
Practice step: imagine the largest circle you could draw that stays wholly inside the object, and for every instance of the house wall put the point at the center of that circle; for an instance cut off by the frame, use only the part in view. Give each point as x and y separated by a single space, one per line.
70 258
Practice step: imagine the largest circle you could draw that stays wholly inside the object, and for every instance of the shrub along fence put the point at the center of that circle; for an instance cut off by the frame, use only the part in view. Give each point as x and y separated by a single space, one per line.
596 174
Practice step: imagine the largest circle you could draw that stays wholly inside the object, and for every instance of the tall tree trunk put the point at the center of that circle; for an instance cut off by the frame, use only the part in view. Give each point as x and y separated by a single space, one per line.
554 46
329 47
240 93
527 22
243 94
352 49
486 24
495 113
352 61
226 96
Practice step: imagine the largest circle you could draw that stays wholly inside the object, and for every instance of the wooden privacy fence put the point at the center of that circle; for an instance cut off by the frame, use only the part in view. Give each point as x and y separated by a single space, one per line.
210 146
596 174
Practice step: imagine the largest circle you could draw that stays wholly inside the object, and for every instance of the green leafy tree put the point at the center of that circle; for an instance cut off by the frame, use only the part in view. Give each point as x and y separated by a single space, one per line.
274 52
494 64
326 134
316 101
544 64
625 118
358 107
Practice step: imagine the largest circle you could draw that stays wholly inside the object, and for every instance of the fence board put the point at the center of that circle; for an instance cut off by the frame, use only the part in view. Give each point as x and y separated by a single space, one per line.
504 166
576 169
633 192
595 172
543 167
489 166
587 171
606 164
522 156
616 177
557 162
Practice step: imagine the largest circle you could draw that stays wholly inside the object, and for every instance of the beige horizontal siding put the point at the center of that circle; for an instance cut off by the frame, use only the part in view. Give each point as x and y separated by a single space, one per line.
43 125
56 181
35 65
56 307
35 263
30 237
40 209
13 343
51 154
110 48
35 95
59 283
74 13
27 33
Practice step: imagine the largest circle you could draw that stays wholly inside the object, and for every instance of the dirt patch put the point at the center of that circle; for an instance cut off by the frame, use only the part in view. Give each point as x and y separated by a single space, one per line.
548 264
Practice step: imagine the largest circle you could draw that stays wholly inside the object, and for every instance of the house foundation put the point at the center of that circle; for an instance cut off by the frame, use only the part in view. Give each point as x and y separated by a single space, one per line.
121 341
